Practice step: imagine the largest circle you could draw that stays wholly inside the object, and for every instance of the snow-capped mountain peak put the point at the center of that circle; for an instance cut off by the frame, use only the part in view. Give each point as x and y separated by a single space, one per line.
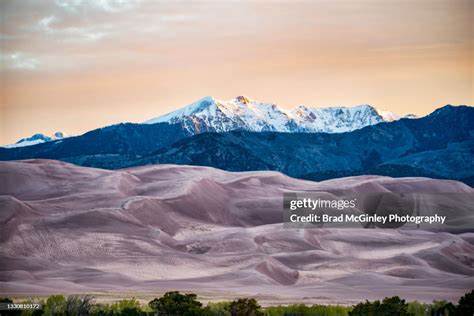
37 139
243 113
189 110
240 113
334 119
242 99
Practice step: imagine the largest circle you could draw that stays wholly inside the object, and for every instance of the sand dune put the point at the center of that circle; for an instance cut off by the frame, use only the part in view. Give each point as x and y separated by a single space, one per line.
150 229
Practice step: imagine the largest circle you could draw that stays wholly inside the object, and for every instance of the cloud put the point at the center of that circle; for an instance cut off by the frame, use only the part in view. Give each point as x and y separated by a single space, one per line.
18 60
44 24
178 18
47 24
101 5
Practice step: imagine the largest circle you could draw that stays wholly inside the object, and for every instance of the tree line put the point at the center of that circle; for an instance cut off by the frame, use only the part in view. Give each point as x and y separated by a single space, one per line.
179 304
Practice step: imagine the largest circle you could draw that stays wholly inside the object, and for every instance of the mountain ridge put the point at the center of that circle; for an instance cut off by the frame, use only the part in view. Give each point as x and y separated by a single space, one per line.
439 145
241 113
423 147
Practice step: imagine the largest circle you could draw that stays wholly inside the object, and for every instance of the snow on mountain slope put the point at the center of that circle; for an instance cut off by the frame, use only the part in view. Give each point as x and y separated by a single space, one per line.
241 113
36 139
335 119
388 116
209 114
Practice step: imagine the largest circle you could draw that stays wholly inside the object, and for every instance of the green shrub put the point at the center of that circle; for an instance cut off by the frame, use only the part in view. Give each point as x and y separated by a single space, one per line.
304 310
466 305
416 308
218 309
175 303
55 306
390 306
78 305
127 307
245 307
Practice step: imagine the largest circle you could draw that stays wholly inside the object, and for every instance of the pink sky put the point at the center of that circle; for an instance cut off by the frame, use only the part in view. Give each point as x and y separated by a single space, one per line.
73 66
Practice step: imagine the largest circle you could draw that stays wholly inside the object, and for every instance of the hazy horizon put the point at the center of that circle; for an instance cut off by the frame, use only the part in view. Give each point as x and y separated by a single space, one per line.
73 66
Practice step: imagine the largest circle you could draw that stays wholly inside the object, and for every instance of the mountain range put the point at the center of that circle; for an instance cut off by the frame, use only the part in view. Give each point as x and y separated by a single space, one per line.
242 113
439 145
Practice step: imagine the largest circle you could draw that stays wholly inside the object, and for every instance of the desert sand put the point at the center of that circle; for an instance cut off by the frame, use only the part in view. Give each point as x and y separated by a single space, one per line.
151 229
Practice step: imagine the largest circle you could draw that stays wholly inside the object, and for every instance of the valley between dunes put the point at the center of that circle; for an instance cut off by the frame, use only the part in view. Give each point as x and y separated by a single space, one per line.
152 229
